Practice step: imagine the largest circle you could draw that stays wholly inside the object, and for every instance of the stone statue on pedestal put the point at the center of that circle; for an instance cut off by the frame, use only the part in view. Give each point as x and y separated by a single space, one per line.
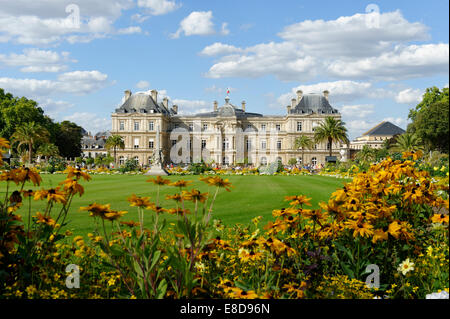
157 168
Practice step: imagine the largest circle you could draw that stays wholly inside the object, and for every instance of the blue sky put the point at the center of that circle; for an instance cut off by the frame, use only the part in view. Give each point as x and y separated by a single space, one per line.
376 58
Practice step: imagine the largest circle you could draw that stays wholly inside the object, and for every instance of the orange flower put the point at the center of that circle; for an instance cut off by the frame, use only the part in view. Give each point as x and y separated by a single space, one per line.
218 182
180 183
71 186
77 173
139 201
298 200
195 195
159 181
53 194
41 219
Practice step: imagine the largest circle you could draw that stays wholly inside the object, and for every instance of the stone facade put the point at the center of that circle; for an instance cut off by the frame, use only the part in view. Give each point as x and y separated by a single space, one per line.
226 135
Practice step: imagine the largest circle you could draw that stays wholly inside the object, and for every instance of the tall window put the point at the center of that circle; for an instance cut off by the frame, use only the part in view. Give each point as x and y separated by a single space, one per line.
263 161
263 144
299 126
151 126
205 127
136 126
203 144
150 144
121 125
278 127
191 127
249 144
263 127
225 144
314 161
279 144
136 143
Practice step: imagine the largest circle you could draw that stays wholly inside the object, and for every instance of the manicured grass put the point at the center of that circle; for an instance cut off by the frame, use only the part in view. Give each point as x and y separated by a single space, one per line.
251 196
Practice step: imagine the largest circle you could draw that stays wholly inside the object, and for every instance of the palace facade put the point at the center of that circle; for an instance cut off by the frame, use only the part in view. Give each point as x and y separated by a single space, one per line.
226 135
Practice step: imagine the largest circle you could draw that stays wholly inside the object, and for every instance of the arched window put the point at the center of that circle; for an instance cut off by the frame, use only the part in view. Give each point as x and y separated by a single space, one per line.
121 160
314 161
136 158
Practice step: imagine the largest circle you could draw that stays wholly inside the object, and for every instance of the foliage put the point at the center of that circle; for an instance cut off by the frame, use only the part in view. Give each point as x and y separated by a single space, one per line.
331 130
130 165
55 164
114 142
69 139
392 216
198 168
28 134
430 120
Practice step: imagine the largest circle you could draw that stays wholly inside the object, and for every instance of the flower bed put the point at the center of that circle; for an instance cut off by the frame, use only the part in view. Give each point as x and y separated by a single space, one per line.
389 225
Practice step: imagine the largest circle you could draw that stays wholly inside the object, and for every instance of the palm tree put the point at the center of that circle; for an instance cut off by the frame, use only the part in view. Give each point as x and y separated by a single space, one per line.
331 130
303 142
366 154
28 134
408 142
47 150
114 142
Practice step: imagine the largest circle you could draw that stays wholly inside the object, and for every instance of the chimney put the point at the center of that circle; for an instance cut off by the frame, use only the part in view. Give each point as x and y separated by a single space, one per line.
215 106
175 108
326 93
127 94
299 95
288 108
154 95
293 103
166 102
243 106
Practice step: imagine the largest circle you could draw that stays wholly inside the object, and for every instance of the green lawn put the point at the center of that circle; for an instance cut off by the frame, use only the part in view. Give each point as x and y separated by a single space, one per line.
251 196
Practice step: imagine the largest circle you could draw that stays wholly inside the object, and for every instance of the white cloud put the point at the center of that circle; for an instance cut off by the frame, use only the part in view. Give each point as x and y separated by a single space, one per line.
143 85
192 106
46 22
158 7
220 49
340 91
90 121
35 60
130 30
345 48
224 29
401 63
356 111
198 23
53 108
77 82
409 96
354 35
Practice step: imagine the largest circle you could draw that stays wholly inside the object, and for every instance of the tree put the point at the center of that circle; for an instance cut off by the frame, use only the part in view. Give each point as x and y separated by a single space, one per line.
114 142
69 139
408 142
366 155
303 142
331 130
47 150
103 160
430 120
29 134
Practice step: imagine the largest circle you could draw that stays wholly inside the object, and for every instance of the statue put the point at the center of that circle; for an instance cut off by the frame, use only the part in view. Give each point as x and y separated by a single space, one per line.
157 168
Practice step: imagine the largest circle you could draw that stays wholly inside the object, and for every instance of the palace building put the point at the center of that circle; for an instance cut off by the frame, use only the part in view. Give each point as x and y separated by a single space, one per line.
226 135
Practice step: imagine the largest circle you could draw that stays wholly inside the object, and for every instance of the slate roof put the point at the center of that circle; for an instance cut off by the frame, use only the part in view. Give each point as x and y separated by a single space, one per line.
313 103
91 142
228 110
143 103
385 128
